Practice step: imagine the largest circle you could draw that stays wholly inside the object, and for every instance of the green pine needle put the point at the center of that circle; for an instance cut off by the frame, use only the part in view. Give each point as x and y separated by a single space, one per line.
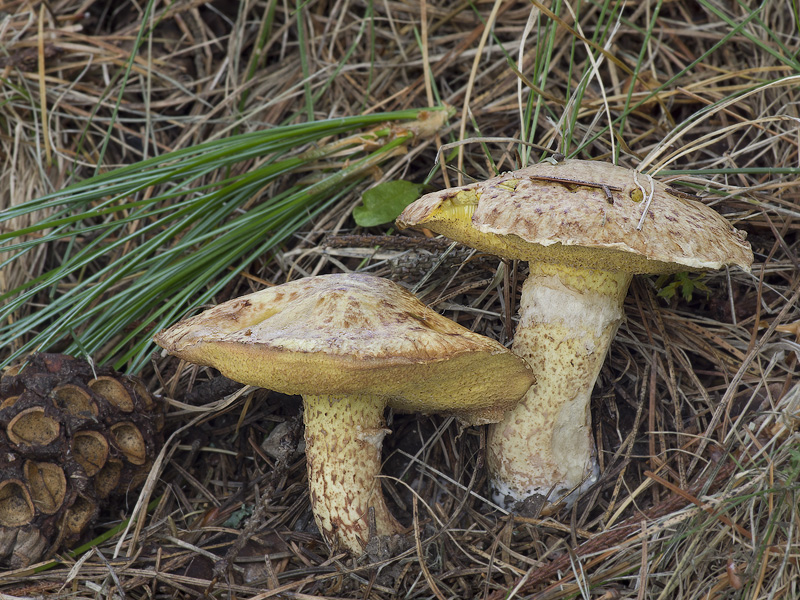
141 245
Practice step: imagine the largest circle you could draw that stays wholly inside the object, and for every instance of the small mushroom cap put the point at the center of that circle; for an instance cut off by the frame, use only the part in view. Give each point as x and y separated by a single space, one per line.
354 334
583 213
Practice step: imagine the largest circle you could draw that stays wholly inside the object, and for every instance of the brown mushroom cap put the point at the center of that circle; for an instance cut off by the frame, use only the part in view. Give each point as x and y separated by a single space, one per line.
354 334
583 213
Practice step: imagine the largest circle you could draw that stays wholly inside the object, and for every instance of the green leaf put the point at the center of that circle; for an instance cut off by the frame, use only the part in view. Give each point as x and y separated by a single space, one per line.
683 282
384 202
238 517
668 291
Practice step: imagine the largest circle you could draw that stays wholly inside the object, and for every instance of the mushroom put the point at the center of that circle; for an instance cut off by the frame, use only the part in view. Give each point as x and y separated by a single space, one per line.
351 345
585 228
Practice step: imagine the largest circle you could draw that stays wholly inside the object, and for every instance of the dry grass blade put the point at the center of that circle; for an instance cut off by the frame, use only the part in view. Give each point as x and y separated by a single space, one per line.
697 409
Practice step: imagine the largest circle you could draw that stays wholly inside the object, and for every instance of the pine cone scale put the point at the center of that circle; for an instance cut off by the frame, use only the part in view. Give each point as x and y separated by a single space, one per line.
71 435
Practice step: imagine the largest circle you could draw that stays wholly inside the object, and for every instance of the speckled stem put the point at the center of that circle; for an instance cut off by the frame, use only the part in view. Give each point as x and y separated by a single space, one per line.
344 436
567 320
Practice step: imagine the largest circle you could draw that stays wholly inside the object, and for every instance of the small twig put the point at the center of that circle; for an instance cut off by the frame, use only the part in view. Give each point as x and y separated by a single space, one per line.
255 521
393 242
627 444
675 489
425 571
112 571
643 570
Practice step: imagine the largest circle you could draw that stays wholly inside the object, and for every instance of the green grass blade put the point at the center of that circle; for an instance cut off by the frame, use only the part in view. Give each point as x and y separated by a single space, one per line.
136 262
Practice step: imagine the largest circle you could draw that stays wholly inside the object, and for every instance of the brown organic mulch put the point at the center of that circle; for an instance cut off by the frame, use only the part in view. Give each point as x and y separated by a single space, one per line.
695 412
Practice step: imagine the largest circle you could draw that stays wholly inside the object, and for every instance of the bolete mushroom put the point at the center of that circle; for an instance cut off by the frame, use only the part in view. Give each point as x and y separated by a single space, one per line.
585 228
352 344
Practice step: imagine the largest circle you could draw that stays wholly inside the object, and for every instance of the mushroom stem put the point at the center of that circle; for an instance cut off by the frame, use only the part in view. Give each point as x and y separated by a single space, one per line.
568 317
344 436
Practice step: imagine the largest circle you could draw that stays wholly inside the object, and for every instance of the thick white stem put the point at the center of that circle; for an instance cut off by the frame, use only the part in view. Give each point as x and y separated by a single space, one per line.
344 436
544 446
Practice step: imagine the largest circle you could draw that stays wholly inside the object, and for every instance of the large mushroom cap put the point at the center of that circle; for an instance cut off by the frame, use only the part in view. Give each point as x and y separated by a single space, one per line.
354 334
583 213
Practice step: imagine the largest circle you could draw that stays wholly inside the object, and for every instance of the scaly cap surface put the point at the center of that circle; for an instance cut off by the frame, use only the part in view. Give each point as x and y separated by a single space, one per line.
583 213
354 334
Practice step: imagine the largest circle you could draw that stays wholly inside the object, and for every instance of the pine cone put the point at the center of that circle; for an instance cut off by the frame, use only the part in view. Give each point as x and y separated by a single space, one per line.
70 436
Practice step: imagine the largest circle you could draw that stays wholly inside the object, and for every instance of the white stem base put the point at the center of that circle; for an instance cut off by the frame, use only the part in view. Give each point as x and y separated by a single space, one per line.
544 446
343 451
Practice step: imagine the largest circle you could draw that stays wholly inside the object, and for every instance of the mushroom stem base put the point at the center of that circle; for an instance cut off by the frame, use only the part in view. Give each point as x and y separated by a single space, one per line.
544 446
344 436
